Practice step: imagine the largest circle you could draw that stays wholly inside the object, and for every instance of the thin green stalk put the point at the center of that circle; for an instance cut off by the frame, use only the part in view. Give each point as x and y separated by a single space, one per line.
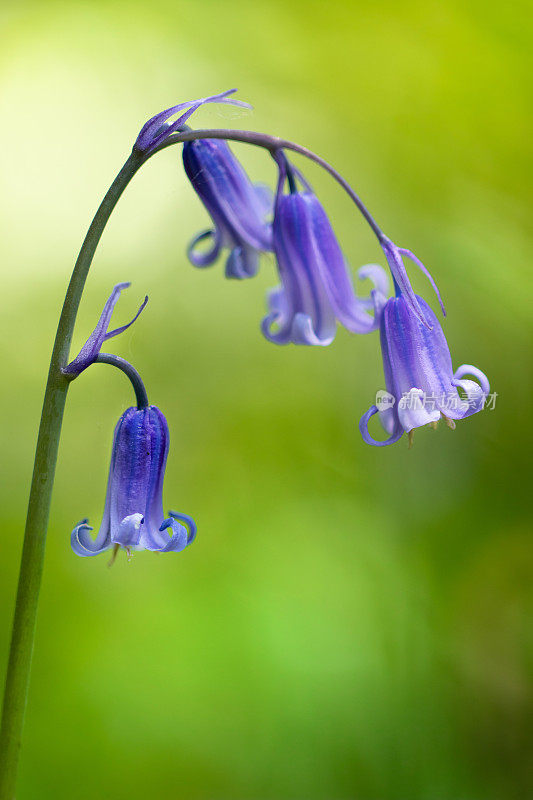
18 670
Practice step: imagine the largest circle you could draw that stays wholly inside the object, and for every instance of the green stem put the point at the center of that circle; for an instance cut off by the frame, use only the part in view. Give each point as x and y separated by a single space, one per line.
18 670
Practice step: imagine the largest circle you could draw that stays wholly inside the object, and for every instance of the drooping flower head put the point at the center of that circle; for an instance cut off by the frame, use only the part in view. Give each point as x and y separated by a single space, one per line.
316 290
93 345
239 209
133 514
154 132
421 384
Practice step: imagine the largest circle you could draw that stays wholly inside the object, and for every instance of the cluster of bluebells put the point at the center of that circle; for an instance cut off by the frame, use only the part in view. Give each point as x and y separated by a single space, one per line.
315 295
316 292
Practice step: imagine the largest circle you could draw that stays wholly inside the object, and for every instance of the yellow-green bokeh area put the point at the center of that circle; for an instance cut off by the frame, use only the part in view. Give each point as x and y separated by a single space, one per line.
351 622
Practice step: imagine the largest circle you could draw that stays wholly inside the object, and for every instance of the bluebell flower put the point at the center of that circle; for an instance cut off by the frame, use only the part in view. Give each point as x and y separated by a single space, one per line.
93 345
154 132
316 290
421 384
240 210
133 514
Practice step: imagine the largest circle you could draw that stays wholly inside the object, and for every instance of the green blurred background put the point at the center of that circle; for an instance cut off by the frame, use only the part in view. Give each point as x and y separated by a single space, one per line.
352 622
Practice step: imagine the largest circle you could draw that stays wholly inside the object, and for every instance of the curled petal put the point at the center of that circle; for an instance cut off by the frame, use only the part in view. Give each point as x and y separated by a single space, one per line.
129 531
92 346
363 427
188 521
242 262
378 295
475 398
297 328
377 275
279 315
282 336
468 369
476 393
179 538
205 259
83 544
302 331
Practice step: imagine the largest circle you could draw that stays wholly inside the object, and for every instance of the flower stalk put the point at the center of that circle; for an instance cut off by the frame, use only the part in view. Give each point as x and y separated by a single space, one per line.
130 372
31 567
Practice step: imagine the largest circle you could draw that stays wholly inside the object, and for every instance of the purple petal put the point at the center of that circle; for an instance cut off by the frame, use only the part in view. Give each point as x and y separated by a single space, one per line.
377 275
302 332
412 411
242 262
151 135
265 198
123 328
128 533
468 369
237 207
418 369
179 538
323 254
204 259
134 508
399 273
415 260
188 521
475 397
137 468
476 393
279 314
416 355
84 545
93 345
363 427
308 316
159 446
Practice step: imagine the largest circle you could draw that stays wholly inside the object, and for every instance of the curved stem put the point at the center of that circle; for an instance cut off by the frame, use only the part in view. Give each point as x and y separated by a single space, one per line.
129 370
18 670
273 143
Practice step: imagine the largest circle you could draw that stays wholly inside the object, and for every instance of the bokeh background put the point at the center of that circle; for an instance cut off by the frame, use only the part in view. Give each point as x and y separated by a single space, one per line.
351 622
